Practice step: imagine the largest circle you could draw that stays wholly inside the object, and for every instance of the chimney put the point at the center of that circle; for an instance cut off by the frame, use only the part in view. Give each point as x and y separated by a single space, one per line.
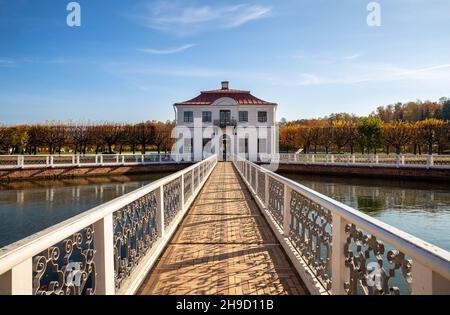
225 85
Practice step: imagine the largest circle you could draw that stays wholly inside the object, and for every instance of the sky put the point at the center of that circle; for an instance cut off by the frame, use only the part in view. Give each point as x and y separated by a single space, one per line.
129 61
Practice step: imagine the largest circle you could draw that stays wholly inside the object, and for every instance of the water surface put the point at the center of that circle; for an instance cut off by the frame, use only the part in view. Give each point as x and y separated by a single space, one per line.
31 206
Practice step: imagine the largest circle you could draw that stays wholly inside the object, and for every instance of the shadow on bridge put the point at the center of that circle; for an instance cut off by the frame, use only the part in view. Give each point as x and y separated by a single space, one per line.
223 246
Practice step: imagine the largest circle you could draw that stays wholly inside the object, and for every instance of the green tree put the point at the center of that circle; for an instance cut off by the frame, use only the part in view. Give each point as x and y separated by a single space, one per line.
370 133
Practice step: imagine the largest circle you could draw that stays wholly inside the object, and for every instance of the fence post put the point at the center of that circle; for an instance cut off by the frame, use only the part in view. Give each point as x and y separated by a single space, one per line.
160 211
123 159
78 160
142 159
18 280
340 273
287 210
104 256
430 161
51 160
353 159
332 159
398 162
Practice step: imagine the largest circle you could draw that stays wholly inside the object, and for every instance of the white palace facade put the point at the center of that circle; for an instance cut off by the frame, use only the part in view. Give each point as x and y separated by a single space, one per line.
226 122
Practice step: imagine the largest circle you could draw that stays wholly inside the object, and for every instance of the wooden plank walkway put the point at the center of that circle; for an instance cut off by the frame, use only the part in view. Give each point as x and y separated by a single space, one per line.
224 246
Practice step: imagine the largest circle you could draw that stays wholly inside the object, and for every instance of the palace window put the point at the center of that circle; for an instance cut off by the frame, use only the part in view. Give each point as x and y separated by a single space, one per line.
188 117
243 116
262 117
206 117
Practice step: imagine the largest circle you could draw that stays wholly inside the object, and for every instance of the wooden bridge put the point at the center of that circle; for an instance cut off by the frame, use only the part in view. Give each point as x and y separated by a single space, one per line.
224 246
223 228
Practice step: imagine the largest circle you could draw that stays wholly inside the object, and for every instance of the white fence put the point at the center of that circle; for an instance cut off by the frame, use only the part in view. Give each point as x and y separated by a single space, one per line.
370 160
50 161
339 250
108 249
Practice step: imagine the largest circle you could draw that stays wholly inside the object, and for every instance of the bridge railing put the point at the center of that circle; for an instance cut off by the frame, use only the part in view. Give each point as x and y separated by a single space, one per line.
108 249
50 161
370 160
340 250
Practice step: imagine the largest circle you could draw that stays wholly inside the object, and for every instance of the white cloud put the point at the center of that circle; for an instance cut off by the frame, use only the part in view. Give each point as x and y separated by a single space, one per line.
178 18
7 63
167 51
378 72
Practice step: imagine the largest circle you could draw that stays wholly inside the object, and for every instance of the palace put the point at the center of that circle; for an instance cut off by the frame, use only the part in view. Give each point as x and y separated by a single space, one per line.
226 122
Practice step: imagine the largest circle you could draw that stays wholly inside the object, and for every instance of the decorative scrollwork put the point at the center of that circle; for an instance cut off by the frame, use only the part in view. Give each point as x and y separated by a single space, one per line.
261 185
276 200
66 268
187 185
372 270
172 200
253 177
310 232
135 231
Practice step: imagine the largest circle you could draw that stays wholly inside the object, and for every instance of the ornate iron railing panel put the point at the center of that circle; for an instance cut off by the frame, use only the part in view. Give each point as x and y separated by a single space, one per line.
276 200
66 268
172 200
373 269
261 185
311 234
187 185
135 231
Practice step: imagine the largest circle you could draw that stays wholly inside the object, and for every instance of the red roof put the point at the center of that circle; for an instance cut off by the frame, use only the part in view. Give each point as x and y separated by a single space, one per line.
241 97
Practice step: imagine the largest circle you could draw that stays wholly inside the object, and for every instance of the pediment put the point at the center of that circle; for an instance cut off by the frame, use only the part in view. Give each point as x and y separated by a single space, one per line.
225 101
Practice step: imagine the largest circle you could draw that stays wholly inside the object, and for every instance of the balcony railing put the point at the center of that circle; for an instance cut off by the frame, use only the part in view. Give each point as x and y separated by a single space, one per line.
108 249
53 161
225 123
339 250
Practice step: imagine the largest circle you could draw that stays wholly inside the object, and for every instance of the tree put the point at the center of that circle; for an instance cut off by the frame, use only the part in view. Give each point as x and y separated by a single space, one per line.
446 109
397 134
430 129
369 131
144 134
289 138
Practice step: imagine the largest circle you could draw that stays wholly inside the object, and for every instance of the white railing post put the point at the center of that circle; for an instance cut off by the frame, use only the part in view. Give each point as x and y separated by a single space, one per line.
18 280
398 161
430 161
104 256
101 160
160 158
78 160
313 158
74 160
142 159
287 210
340 273
117 159
123 159
353 159
47 161
160 211
51 161
377 159
402 160
332 159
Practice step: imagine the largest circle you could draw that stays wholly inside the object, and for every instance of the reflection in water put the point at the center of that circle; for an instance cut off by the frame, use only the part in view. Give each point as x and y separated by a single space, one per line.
419 208
31 206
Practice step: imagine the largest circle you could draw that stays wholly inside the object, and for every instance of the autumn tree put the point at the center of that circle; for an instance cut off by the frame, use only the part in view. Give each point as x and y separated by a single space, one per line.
397 135
430 129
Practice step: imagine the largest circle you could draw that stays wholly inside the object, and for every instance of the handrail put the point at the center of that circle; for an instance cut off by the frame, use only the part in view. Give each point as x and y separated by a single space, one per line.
305 216
368 160
8 162
155 210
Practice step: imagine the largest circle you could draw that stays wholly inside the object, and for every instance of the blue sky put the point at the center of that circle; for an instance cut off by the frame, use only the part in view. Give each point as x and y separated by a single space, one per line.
131 60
